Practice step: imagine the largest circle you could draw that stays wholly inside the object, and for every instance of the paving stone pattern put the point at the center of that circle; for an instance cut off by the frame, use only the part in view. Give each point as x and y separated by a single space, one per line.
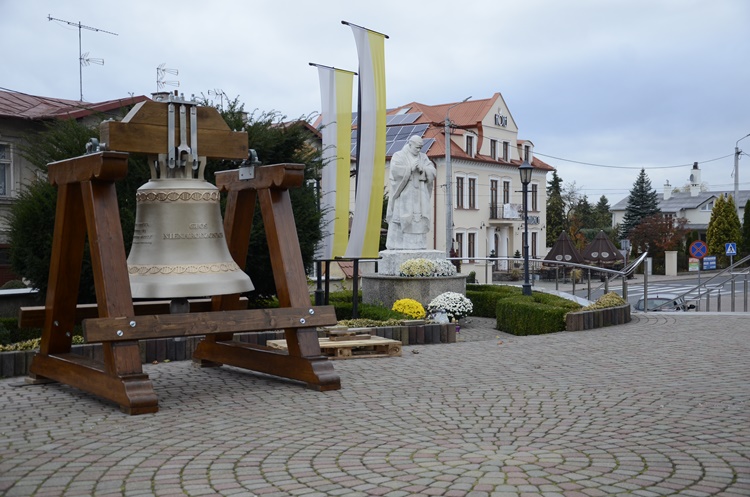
652 408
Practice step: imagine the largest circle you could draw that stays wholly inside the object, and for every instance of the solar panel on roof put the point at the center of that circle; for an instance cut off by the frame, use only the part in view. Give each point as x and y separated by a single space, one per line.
396 136
400 119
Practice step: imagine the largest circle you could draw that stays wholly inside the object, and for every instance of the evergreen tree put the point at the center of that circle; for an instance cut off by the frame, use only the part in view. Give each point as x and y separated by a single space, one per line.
723 227
555 209
643 202
585 213
745 243
602 214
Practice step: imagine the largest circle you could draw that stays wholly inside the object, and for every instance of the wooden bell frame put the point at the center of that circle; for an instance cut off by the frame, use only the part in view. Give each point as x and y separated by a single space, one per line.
86 191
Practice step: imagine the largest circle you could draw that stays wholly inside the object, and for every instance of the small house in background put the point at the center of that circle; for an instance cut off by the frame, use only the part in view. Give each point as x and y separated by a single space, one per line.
21 117
694 202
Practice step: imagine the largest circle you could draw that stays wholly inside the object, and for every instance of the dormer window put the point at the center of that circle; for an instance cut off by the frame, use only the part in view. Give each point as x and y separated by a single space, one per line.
708 206
470 145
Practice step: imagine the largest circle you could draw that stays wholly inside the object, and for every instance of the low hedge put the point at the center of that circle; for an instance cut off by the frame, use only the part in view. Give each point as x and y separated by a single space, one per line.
529 316
485 298
11 333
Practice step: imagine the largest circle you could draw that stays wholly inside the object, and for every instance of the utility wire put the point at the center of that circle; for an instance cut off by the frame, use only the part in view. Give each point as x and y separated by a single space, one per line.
629 167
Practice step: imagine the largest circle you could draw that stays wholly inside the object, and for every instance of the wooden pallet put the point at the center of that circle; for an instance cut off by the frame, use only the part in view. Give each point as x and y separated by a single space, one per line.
373 346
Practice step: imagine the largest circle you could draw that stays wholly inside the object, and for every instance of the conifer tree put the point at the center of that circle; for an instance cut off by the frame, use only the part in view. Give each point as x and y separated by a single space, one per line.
724 227
555 209
643 202
602 214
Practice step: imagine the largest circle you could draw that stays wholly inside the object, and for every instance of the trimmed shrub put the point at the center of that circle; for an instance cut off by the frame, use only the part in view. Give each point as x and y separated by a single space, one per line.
485 298
525 316
13 285
11 333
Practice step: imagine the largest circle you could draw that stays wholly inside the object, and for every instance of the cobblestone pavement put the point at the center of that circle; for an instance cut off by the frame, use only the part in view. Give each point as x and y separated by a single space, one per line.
656 407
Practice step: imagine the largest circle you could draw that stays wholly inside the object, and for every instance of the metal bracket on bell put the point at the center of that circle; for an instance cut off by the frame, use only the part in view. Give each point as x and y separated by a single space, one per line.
93 146
194 137
171 158
183 150
247 168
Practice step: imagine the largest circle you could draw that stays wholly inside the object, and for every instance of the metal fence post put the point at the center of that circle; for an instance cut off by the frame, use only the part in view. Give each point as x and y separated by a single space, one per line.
718 300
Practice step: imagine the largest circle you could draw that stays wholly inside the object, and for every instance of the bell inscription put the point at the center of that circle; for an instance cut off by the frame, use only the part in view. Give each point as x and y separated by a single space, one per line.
179 247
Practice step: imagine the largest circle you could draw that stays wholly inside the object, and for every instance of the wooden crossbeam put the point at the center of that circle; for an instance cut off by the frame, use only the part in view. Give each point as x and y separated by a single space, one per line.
204 323
33 317
144 131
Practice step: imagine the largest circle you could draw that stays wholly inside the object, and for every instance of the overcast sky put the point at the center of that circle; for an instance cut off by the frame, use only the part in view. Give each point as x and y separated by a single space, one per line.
618 83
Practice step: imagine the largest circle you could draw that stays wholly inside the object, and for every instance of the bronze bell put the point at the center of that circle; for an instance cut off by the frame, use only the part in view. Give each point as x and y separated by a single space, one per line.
179 248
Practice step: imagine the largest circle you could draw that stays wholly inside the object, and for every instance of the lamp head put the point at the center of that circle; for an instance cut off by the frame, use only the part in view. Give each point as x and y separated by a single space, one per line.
525 171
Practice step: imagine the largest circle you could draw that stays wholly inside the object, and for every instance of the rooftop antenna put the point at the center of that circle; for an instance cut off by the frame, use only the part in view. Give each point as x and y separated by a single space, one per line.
218 92
162 71
83 58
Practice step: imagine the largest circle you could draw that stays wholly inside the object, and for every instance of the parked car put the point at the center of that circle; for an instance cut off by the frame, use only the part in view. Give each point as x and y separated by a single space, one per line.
664 302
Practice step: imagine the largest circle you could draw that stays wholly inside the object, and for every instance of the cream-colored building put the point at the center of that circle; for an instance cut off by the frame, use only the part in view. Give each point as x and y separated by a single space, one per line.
487 198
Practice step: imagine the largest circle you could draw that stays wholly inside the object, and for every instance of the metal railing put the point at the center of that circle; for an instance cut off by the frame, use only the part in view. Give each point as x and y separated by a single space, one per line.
536 267
703 294
706 289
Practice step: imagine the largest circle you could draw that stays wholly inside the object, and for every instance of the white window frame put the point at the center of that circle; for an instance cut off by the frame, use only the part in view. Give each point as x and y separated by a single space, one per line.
470 144
460 200
460 249
471 254
472 202
6 170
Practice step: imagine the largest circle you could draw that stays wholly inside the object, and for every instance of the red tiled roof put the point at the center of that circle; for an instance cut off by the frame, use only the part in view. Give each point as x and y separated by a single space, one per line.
32 107
463 115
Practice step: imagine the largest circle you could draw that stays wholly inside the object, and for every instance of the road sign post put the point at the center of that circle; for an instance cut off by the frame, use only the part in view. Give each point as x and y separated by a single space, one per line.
698 249
731 251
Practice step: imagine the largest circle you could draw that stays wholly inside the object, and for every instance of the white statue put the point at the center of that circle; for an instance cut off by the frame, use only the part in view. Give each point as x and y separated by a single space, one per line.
409 208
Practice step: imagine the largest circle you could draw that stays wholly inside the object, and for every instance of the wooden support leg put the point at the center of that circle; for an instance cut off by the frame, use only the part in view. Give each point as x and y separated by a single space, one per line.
304 361
120 377
63 283
291 282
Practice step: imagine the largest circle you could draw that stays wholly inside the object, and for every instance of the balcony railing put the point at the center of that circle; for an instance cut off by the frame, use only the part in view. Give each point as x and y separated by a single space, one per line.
506 211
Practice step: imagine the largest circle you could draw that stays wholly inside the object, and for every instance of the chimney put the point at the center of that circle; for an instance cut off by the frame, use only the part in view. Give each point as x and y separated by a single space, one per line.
695 180
667 190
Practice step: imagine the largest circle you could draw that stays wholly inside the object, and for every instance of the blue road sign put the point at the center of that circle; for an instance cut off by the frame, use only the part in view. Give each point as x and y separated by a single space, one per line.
731 248
698 249
709 262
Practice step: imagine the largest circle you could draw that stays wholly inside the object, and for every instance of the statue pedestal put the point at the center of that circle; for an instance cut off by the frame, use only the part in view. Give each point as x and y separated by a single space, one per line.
386 286
391 260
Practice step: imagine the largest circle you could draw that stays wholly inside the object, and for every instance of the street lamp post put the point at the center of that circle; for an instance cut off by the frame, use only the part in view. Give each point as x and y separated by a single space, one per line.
737 153
525 170
448 181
